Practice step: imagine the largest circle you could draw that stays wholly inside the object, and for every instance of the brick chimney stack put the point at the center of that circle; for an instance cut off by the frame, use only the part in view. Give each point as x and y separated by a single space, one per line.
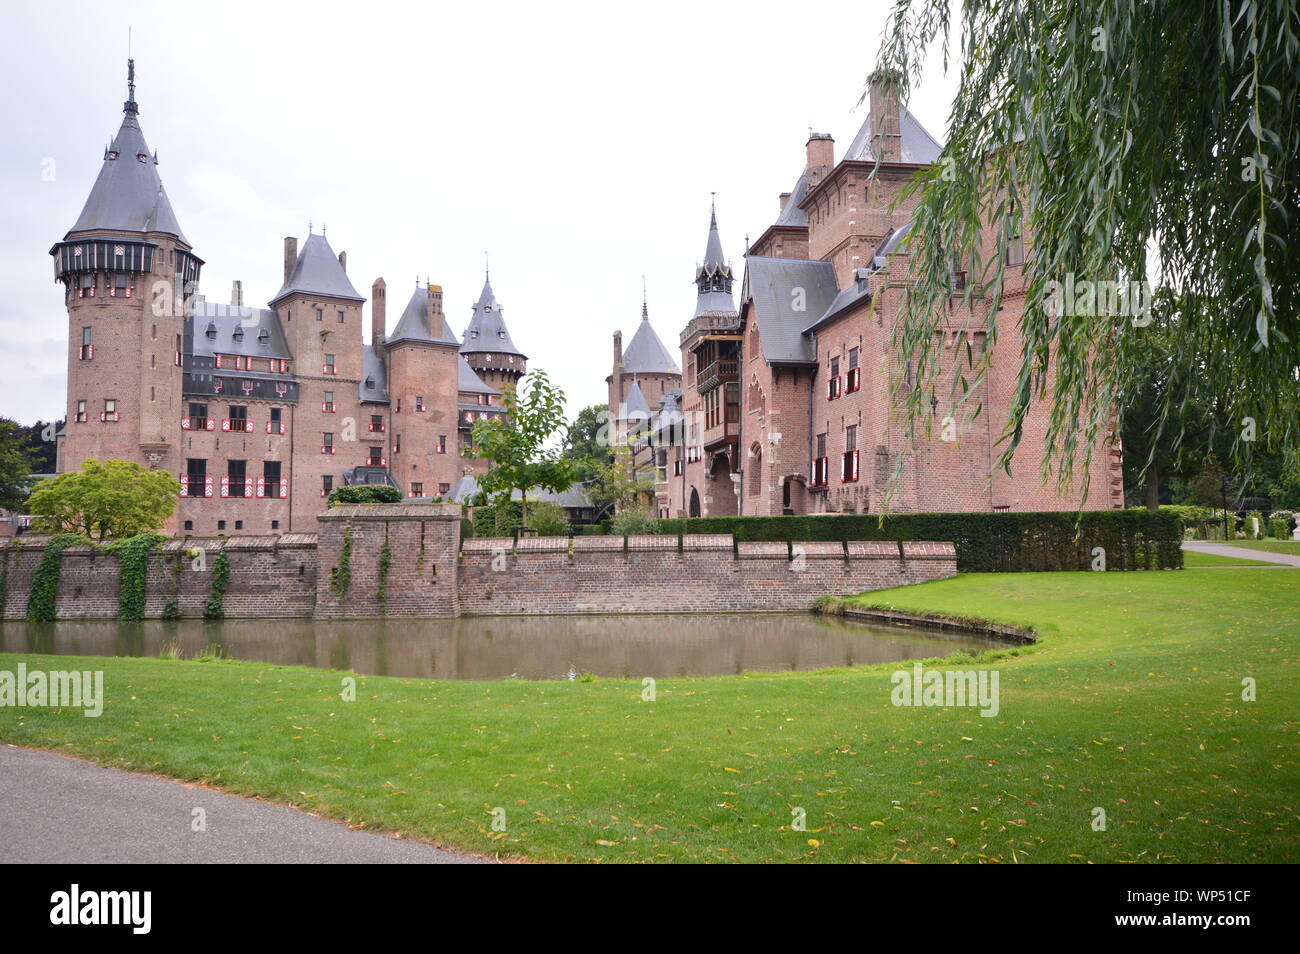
378 312
821 158
237 292
343 260
435 309
886 135
290 256
618 351
785 199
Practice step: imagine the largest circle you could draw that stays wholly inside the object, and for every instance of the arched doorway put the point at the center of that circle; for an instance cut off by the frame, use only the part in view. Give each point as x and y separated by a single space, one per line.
794 495
694 506
720 494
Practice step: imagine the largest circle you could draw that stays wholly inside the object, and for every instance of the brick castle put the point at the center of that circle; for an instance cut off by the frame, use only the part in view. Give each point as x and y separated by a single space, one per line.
260 412
791 401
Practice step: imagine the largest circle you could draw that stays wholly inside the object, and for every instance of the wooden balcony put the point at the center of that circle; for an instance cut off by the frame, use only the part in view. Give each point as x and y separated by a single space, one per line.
717 373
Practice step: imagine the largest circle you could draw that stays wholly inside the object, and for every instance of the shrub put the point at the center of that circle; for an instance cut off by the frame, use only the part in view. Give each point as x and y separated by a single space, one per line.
1279 529
633 521
548 519
44 595
986 542
364 494
497 520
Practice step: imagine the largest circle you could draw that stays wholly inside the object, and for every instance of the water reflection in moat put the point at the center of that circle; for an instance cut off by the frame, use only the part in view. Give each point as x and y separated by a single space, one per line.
537 647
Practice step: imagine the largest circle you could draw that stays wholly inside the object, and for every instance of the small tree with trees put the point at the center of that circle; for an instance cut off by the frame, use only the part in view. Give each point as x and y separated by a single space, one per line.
515 444
105 499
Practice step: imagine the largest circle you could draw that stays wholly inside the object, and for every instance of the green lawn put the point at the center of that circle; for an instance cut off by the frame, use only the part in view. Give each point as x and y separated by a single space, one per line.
1131 703
1193 559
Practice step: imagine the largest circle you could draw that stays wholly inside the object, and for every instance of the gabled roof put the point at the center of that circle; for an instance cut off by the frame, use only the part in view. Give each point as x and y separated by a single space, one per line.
374 376
576 497
414 323
915 144
646 354
236 329
486 332
468 381
318 272
779 286
128 194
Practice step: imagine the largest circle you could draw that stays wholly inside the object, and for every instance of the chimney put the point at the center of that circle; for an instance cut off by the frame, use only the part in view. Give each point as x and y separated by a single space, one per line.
821 157
343 260
886 137
785 198
290 256
618 351
435 310
378 313
237 292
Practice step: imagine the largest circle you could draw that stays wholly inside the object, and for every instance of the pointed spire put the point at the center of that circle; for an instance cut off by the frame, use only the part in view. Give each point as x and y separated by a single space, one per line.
645 304
714 279
486 332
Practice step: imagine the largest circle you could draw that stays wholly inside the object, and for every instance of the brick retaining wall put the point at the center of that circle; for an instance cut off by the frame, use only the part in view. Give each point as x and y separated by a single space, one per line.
432 574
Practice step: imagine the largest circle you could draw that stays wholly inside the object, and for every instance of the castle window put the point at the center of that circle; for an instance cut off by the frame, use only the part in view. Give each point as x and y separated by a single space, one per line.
417 489
196 478
110 411
328 404
81 411
419 402
376 423
239 525
189 524
442 443
87 286
271 479
236 473
376 457
320 314
340 317
444 488
326 485
198 419
327 443
1015 239
221 524
87 349
329 367
397 443
276 424
238 420
275 525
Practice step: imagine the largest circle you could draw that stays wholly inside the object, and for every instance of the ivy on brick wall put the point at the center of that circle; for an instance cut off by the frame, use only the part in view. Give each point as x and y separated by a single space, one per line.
215 608
42 600
133 571
1136 539
4 577
385 561
341 575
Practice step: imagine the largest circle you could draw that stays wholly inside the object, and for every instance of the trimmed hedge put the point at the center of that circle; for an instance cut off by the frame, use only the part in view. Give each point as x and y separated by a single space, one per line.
1134 539
364 494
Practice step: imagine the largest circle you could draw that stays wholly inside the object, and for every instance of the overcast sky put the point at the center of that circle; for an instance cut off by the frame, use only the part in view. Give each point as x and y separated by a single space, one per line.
578 143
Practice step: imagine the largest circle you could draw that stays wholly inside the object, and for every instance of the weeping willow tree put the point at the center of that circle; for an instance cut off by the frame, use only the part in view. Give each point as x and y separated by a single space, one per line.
1152 141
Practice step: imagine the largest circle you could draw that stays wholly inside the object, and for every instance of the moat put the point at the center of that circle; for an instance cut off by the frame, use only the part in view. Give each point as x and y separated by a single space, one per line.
535 647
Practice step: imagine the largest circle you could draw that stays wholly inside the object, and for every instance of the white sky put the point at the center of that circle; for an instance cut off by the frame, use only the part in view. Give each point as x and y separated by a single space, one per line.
577 143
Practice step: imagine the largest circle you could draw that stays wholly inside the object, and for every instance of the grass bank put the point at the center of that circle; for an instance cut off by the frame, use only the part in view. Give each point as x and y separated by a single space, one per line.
1131 703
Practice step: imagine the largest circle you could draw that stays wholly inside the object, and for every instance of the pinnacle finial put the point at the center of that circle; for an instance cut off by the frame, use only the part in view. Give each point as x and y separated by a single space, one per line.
487 267
130 106
645 306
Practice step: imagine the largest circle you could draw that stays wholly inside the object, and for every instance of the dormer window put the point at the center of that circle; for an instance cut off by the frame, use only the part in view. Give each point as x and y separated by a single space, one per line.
211 330
487 309
142 156
501 335
111 154
370 384
238 334
473 334
263 336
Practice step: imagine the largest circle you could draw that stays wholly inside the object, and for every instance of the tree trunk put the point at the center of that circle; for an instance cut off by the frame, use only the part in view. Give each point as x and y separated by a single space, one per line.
1153 487
523 509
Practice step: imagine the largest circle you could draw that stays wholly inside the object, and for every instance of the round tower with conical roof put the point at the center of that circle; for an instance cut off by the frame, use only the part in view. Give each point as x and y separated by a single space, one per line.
128 276
487 345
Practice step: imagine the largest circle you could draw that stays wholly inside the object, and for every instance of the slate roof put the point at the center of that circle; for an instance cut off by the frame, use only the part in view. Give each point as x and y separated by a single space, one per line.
776 286
576 497
128 194
373 386
469 381
860 289
635 405
259 332
487 332
711 300
318 272
915 144
414 323
646 354
792 214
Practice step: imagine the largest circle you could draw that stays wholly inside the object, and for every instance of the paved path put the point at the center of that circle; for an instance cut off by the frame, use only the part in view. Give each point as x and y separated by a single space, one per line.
1241 553
55 809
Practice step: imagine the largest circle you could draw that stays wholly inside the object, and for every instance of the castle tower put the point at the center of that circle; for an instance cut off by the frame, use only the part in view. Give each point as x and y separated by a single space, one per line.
644 366
128 275
487 345
423 384
320 312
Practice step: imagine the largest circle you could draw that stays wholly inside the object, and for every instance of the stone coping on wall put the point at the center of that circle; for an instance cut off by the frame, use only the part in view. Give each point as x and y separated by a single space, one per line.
403 511
281 541
717 542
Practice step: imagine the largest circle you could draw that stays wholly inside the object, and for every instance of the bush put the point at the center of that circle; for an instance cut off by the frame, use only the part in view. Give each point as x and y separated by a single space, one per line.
986 542
364 494
634 521
548 519
497 520
1279 529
